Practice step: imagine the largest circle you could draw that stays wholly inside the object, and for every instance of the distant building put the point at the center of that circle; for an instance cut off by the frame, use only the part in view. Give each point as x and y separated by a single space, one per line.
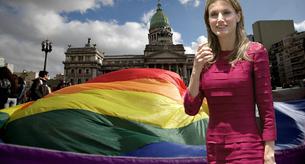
288 59
2 62
160 52
269 32
59 76
83 63
53 83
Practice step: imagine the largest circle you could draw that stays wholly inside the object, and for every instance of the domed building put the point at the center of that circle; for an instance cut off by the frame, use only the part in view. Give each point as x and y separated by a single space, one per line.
160 30
160 52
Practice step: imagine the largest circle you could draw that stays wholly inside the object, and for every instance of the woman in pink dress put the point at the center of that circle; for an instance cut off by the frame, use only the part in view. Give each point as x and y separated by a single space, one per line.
232 73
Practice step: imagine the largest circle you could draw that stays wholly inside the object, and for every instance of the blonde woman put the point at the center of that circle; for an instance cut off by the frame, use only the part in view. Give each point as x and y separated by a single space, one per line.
232 73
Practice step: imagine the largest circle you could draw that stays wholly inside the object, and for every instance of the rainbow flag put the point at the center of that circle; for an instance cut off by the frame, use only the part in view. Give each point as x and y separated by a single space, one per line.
120 113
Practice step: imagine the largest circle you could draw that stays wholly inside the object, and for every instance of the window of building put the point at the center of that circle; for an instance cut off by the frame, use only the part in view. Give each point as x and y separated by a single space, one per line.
79 81
80 58
72 71
80 71
87 71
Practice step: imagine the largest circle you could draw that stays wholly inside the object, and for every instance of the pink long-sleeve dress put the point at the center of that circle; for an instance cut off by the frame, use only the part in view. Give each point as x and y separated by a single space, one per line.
232 92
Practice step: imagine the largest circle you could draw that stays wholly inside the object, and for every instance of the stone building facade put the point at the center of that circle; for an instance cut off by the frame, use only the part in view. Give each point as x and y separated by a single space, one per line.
82 64
269 32
288 59
160 53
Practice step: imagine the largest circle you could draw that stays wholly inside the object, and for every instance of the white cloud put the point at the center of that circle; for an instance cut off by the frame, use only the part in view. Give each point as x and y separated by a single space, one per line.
59 5
188 50
107 2
23 31
147 16
192 49
177 39
300 26
196 3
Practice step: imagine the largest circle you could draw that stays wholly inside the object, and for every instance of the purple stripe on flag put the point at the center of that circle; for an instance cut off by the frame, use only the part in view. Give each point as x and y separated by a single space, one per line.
14 154
291 155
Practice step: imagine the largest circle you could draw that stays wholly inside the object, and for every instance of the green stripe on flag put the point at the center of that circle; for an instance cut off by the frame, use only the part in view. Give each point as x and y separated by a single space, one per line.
88 132
3 118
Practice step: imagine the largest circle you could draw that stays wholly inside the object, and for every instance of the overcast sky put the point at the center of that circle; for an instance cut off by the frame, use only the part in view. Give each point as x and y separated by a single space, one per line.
116 26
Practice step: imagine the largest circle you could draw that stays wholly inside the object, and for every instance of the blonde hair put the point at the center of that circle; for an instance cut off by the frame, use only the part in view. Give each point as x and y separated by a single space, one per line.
241 42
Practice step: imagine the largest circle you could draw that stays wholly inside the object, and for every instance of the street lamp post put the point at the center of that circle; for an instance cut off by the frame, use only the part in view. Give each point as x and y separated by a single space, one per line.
46 46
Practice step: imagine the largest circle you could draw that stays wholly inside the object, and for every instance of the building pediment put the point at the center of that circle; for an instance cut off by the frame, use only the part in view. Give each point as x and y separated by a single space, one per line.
165 54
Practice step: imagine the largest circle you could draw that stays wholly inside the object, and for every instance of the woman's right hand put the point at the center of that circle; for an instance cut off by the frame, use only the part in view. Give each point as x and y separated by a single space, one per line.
203 55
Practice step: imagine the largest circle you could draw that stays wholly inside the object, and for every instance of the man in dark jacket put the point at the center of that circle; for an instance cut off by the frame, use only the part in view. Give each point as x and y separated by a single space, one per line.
40 87
5 85
5 90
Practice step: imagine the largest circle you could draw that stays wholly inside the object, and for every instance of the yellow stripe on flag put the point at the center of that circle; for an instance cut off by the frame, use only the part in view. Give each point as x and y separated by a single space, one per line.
144 107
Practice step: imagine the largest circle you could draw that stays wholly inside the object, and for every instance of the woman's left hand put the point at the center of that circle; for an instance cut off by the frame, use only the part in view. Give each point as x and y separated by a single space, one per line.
269 153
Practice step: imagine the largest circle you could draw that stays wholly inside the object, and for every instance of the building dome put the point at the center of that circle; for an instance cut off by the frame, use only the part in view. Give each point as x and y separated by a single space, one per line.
159 20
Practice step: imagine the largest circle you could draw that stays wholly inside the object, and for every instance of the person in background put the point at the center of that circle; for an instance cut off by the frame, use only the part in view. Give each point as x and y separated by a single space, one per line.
232 73
5 85
68 84
40 88
60 85
12 99
7 88
21 96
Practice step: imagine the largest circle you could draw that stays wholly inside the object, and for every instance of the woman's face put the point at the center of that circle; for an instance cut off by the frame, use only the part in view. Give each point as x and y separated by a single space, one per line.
223 19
